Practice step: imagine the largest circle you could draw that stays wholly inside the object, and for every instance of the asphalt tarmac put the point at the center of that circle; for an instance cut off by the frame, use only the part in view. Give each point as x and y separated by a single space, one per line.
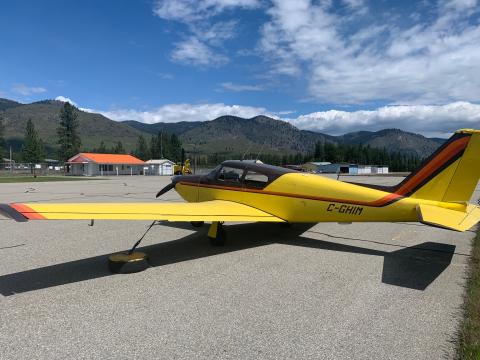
327 291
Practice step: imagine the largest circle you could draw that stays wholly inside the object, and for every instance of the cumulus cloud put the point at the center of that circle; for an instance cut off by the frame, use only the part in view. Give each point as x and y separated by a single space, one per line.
430 61
66 99
429 120
25 90
185 112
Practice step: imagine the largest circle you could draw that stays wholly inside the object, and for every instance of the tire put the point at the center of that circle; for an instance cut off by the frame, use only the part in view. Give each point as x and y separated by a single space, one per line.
197 224
125 263
221 237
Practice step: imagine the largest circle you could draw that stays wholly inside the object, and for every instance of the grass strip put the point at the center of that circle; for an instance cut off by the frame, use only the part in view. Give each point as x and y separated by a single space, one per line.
469 342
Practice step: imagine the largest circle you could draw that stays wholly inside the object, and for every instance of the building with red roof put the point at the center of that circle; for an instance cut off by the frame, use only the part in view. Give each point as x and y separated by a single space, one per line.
92 164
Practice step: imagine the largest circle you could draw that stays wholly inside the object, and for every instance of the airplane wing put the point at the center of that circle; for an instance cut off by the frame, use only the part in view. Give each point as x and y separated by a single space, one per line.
216 210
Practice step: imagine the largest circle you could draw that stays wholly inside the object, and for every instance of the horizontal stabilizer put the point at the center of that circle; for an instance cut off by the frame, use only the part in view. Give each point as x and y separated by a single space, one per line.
449 219
215 210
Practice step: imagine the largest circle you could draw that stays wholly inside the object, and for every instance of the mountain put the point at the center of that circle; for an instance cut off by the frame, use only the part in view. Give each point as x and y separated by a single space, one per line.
7 104
394 140
231 134
236 135
228 135
93 128
171 128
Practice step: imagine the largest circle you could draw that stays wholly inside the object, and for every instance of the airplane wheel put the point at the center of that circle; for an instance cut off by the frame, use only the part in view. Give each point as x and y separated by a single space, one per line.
125 263
197 223
221 237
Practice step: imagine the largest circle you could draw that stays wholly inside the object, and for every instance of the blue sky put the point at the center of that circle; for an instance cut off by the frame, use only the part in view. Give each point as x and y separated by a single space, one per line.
333 66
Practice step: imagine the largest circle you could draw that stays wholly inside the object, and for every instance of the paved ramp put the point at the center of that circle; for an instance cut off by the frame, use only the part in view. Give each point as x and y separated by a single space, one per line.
325 291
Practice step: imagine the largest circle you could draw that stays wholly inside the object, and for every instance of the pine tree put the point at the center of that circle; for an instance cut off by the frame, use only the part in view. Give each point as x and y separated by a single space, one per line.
102 149
319 153
163 148
33 150
142 148
154 154
176 148
68 137
118 149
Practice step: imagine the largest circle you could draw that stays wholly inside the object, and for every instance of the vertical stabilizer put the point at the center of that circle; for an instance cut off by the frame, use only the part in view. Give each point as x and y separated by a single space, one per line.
450 174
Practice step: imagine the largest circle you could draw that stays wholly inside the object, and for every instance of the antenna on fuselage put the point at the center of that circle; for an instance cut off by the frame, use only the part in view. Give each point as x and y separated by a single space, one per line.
245 153
261 149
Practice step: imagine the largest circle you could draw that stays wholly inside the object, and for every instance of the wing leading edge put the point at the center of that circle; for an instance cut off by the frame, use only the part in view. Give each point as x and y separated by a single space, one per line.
216 210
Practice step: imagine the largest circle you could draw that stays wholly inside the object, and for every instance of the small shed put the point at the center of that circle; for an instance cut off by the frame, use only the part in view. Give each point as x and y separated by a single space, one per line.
338 168
159 167
93 164
353 169
314 166
379 169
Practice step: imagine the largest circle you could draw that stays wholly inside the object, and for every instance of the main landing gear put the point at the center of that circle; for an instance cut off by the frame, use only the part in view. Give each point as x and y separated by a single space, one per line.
216 234
132 261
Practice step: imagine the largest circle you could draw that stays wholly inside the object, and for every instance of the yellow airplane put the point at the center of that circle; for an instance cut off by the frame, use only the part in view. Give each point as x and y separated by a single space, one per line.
437 194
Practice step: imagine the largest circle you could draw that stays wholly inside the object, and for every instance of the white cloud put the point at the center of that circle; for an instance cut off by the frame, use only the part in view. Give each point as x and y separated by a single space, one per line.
65 99
205 34
194 52
201 47
429 62
240 87
195 10
215 34
185 112
25 90
429 120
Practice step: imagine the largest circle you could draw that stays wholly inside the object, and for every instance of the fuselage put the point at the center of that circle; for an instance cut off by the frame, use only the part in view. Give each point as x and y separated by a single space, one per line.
300 197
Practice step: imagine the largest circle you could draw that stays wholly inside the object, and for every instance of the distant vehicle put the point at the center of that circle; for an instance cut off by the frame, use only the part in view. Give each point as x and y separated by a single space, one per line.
179 169
436 194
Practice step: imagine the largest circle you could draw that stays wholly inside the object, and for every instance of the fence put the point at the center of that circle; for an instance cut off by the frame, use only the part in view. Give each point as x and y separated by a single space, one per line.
41 169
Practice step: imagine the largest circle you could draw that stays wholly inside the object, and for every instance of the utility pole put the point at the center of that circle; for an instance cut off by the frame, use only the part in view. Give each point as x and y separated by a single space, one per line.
161 144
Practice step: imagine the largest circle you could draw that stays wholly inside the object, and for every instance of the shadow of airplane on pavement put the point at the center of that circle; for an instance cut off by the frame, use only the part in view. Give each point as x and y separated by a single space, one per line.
411 267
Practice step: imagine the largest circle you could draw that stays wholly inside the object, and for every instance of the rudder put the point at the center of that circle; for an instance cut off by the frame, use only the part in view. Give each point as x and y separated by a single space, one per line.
450 174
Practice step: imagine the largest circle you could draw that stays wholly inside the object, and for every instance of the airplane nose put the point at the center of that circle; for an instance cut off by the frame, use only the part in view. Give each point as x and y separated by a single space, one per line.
167 188
175 180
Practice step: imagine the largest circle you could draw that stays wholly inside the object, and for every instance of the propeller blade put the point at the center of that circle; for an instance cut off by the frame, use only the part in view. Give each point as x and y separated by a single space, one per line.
166 189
